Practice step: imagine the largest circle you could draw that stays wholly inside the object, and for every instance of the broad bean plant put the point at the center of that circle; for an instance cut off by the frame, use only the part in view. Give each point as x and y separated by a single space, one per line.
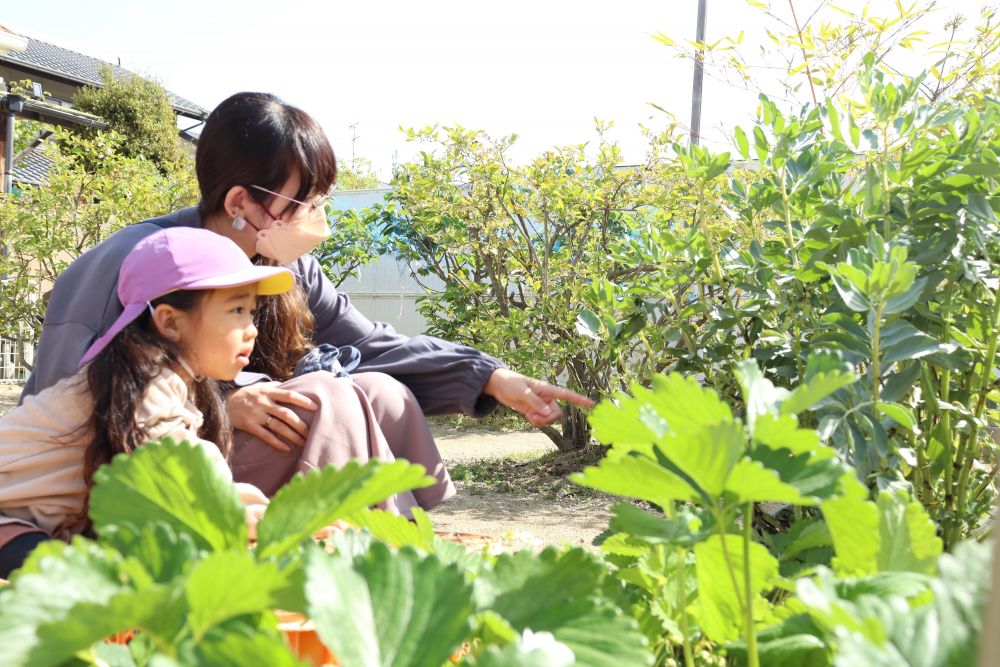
871 234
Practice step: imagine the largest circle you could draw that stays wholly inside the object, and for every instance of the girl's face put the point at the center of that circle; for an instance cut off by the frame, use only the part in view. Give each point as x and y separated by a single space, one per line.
219 335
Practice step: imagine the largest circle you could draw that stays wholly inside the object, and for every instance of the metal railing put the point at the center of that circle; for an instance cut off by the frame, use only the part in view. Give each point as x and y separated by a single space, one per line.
15 357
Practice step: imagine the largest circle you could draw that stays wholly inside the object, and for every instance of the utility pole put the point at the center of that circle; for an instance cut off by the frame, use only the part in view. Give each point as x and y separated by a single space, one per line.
699 75
354 139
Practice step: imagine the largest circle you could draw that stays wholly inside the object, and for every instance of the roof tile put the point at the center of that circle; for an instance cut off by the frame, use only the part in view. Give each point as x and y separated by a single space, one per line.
63 62
33 168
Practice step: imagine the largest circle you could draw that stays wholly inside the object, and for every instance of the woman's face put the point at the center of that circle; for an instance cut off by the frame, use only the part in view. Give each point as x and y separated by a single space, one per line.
262 215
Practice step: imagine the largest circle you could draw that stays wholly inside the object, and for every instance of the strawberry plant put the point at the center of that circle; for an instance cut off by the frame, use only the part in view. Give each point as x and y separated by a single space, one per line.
852 582
172 561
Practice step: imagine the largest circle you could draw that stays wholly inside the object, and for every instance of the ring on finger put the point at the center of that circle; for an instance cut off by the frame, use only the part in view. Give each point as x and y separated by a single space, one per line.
267 422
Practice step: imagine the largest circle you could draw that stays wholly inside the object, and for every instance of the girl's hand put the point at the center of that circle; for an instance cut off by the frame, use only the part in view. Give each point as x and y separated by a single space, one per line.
325 532
261 410
253 514
534 399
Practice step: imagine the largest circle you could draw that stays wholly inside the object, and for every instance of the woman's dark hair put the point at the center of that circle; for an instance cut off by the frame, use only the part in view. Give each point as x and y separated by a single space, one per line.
256 139
117 379
284 331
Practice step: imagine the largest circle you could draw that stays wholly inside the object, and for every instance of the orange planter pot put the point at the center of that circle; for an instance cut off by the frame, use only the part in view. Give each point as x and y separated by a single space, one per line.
300 633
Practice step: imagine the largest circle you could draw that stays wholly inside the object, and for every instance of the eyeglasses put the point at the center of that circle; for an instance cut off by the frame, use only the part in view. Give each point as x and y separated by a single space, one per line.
307 207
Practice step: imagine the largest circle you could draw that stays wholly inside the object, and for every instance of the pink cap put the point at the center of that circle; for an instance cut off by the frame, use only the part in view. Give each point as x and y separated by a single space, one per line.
184 258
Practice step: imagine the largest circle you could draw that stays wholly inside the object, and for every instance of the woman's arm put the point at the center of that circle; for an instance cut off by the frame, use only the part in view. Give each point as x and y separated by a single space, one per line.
445 377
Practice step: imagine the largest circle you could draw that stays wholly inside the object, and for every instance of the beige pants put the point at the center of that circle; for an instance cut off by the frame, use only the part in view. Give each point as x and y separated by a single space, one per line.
362 417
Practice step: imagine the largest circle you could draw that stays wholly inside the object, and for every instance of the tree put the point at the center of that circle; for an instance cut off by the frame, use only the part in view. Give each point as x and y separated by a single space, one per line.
523 249
816 48
354 242
140 111
93 190
358 174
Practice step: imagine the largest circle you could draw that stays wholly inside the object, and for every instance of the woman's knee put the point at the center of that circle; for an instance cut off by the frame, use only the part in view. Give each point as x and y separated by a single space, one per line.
322 387
388 395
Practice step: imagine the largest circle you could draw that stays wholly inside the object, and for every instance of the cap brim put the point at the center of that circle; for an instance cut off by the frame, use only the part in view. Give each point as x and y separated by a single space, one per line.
269 279
131 312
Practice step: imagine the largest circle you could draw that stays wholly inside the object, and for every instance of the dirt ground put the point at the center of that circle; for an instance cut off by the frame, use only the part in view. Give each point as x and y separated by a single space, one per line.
498 509
8 396
495 510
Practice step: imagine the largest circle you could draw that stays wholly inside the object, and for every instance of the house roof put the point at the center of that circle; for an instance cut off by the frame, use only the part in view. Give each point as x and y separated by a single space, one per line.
76 67
33 167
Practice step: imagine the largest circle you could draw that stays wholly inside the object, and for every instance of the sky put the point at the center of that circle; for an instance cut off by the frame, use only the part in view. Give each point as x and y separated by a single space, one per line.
543 69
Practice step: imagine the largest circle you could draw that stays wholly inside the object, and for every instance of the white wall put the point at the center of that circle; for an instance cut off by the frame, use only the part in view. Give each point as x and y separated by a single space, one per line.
384 291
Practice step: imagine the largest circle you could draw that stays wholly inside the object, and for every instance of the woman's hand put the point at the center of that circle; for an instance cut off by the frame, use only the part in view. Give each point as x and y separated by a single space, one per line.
534 399
261 410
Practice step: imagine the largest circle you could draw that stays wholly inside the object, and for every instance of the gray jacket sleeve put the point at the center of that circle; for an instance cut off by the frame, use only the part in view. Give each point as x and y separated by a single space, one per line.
445 377
84 302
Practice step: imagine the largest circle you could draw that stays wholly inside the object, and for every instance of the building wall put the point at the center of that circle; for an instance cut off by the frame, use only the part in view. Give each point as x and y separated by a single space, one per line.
385 291
58 91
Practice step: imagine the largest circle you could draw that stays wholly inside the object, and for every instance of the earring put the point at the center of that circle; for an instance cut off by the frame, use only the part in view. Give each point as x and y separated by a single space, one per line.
239 224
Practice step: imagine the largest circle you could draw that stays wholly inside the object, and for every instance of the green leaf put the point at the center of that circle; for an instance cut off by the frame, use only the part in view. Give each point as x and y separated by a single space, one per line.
684 530
790 651
618 423
707 456
905 618
114 655
178 485
320 497
154 611
394 529
894 534
760 396
854 527
945 632
908 537
541 650
589 325
635 476
721 588
164 553
751 482
898 384
817 475
821 385
231 649
916 347
742 143
784 433
805 534
901 414
853 297
675 404
905 301
553 592
56 585
388 608
226 585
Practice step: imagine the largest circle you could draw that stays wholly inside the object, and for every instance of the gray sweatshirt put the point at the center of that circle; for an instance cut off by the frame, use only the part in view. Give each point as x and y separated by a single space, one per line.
445 377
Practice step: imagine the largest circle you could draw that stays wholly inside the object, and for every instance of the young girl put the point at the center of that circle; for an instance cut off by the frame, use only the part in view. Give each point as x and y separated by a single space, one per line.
189 297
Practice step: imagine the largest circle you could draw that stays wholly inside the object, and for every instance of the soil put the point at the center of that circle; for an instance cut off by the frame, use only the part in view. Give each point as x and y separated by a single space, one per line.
511 484
515 482
8 396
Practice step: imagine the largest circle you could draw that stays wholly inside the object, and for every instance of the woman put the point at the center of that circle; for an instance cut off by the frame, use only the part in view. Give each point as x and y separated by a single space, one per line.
264 171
